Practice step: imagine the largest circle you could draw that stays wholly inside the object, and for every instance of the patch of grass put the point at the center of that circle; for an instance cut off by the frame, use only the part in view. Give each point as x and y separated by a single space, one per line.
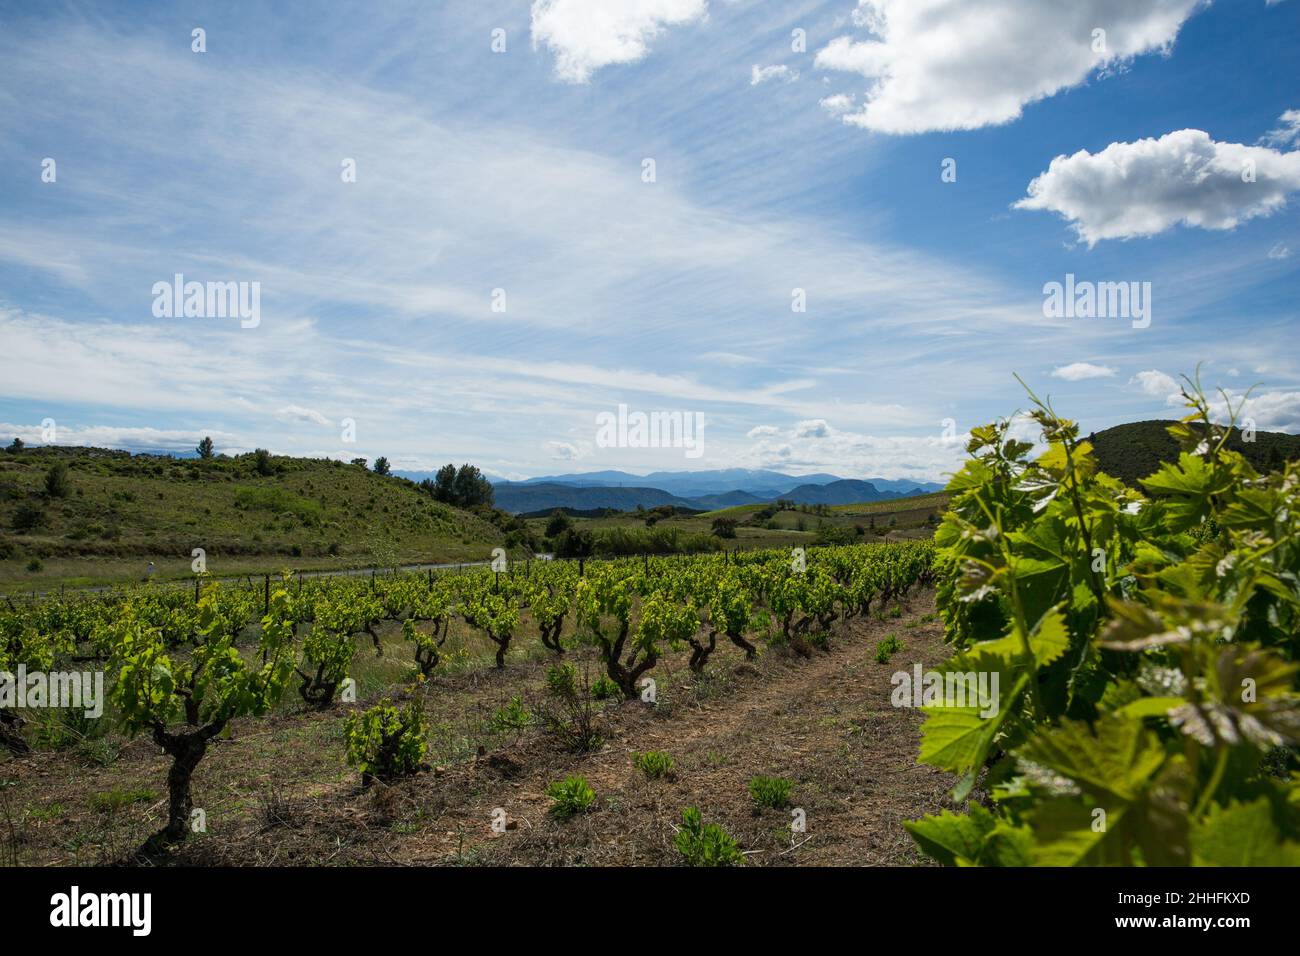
770 793
48 814
571 795
110 801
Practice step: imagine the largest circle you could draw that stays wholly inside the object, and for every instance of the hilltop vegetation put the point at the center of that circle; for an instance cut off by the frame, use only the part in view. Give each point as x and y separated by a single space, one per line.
108 513
1134 451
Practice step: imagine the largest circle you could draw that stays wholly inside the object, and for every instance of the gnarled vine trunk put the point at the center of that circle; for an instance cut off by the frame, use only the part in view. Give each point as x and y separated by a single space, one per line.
186 750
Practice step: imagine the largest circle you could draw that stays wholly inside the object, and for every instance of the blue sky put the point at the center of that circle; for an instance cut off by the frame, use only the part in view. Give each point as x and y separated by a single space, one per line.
776 169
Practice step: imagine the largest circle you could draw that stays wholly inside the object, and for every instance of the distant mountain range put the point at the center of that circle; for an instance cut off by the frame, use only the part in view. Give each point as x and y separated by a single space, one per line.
696 490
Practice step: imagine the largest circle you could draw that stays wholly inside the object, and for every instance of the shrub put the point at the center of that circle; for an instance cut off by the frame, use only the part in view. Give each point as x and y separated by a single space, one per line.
571 795
604 688
885 649
566 712
653 763
561 679
770 792
386 743
724 527
27 517
513 716
57 482
705 844
558 524
573 543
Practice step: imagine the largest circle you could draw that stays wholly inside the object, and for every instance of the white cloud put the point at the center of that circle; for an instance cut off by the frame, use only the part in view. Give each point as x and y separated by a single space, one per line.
1288 134
586 35
1156 383
813 428
296 413
837 104
762 431
1268 411
1279 251
1079 371
1146 187
942 65
761 74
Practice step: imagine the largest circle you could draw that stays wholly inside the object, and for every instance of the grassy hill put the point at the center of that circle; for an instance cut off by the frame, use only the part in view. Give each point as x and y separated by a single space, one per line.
1133 451
121 511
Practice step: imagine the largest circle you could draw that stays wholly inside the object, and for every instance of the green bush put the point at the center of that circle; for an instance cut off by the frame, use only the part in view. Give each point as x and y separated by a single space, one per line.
513 716
603 688
567 712
770 792
653 763
886 648
27 516
705 844
571 795
386 743
57 482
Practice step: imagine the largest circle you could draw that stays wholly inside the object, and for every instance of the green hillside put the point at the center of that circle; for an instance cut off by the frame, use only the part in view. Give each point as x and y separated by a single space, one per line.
1133 451
120 511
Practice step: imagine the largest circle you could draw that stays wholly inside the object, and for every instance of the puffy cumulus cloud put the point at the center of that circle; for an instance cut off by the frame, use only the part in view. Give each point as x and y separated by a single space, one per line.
761 74
813 428
586 35
296 413
948 64
1287 132
1146 187
1157 384
762 431
1079 371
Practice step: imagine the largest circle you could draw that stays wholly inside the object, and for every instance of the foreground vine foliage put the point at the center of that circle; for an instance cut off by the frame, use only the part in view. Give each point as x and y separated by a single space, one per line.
1145 646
